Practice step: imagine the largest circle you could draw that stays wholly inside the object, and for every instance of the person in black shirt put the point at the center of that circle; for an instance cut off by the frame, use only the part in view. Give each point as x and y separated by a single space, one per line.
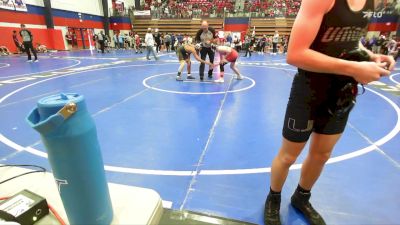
101 38
27 39
322 95
157 39
206 36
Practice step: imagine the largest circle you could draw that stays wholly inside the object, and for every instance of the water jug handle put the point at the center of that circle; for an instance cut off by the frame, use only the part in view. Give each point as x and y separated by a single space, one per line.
68 109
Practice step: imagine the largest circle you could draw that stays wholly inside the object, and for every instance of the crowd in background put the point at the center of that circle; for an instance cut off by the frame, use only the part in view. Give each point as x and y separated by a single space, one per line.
381 44
167 42
216 8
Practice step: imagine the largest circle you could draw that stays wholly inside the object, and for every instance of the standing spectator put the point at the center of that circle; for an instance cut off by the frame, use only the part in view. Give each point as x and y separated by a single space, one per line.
285 41
167 40
96 43
206 36
101 39
116 42
275 41
247 46
180 40
157 38
137 44
68 37
149 39
263 41
127 41
27 39
16 42
121 40
173 41
229 40
74 40
236 43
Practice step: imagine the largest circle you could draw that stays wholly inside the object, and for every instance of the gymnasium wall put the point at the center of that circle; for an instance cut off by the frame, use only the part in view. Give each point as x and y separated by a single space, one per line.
48 37
55 38
93 7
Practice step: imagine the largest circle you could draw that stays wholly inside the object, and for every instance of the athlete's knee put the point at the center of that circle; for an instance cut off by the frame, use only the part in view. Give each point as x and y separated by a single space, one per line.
321 157
286 158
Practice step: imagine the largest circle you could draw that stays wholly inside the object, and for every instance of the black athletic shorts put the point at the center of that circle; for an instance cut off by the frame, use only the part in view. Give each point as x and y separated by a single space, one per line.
182 53
311 106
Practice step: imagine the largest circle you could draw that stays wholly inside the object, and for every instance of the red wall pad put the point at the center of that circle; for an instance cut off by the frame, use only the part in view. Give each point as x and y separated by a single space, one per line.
120 26
53 39
68 22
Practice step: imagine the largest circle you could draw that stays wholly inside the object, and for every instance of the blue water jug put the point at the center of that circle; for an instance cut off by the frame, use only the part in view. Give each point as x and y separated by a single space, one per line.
69 135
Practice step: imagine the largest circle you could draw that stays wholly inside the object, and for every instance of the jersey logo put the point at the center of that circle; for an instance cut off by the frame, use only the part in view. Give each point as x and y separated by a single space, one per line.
292 126
342 34
370 14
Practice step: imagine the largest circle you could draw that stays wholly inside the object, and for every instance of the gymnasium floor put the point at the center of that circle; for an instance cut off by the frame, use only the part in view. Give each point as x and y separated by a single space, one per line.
208 147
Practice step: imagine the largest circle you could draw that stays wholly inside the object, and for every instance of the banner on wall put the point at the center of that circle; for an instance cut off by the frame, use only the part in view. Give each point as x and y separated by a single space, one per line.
18 5
7 4
142 13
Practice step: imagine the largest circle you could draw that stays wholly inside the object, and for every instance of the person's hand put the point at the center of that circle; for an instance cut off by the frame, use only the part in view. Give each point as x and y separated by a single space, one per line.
369 71
210 64
387 59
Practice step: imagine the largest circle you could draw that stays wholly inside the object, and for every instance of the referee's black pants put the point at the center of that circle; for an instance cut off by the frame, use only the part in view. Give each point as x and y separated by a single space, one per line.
203 54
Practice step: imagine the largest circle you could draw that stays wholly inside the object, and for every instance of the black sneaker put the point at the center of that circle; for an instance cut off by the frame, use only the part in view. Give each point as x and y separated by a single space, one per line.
300 201
201 78
189 77
210 74
271 210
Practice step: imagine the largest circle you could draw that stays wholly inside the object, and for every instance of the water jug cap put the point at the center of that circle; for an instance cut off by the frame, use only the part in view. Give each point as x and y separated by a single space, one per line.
60 103
59 100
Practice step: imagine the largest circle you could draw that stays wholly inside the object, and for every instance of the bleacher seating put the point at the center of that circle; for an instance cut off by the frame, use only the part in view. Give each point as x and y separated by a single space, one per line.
176 26
183 16
268 26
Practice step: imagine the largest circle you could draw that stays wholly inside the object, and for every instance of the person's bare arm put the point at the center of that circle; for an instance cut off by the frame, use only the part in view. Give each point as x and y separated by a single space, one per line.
303 33
197 57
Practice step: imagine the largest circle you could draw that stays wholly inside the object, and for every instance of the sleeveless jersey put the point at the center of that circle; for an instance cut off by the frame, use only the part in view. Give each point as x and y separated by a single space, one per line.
341 29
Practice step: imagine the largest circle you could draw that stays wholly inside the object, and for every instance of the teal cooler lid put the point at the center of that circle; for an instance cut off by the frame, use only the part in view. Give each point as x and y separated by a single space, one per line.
50 105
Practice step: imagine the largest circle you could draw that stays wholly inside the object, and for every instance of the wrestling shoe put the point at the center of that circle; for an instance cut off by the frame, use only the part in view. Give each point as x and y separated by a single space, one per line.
179 78
220 80
300 201
210 74
271 210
